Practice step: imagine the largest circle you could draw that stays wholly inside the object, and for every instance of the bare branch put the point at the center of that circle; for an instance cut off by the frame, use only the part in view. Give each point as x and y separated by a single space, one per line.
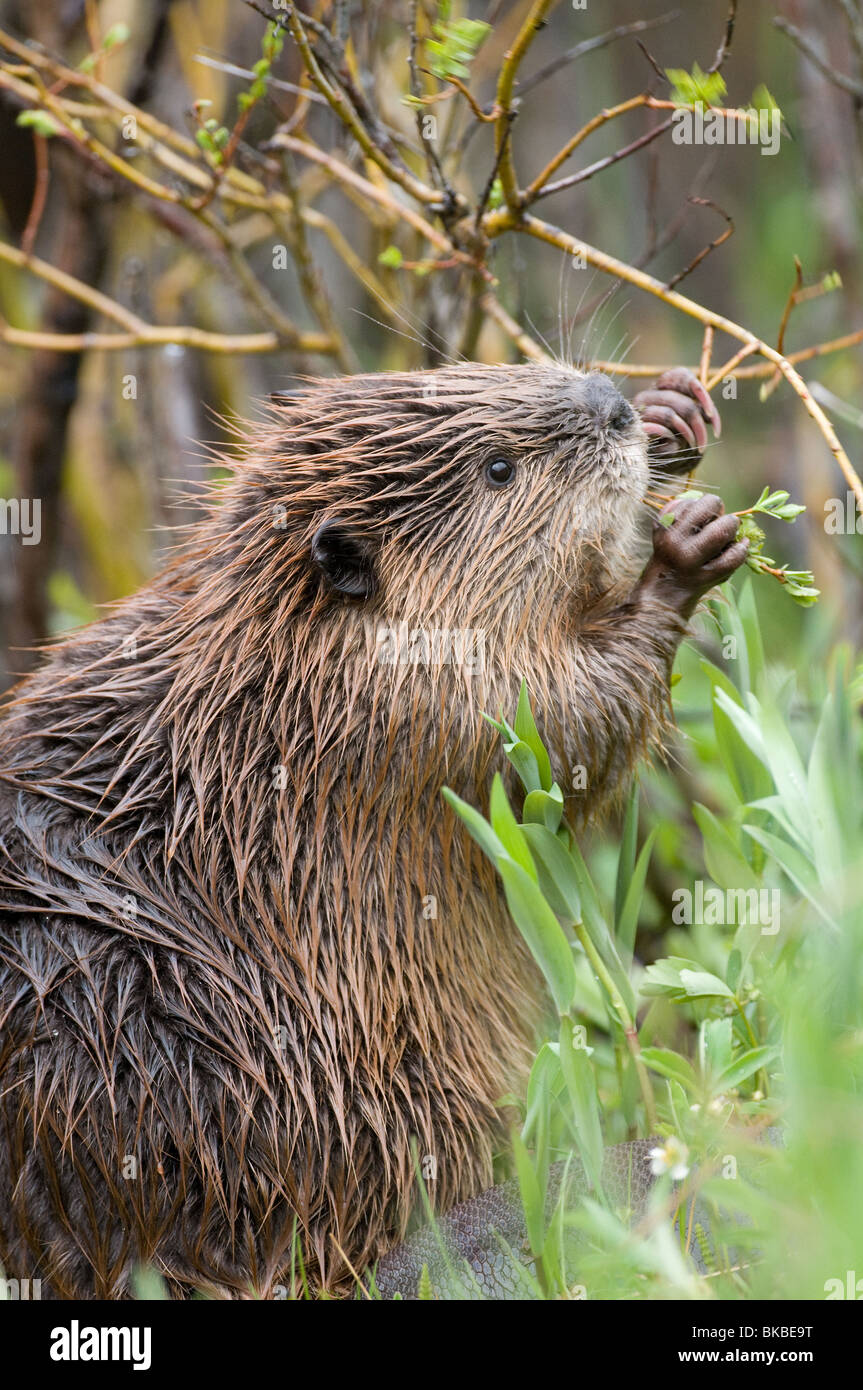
725 46
587 173
807 47
504 220
506 82
639 26
729 231
137 330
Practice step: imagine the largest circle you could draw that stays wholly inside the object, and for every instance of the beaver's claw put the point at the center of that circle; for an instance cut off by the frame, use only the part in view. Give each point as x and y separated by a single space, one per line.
675 413
692 552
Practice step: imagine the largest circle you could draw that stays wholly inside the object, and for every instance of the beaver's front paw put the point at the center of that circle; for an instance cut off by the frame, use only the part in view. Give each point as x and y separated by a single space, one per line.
692 552
675 413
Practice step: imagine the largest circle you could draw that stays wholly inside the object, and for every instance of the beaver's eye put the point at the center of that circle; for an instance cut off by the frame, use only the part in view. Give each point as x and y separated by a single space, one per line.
500 472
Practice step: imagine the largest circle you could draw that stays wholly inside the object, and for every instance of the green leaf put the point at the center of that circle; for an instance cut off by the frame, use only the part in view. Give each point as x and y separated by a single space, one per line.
477 825
40 122
702 984
747 772
762 100
786 768
725 861
391 257
524 761
454 46
682 979
507 829
527 731
566 885
715 1046
751 629
745 724
688 88
557 875
797 867
670 1065
581 1085
544 808
720 679
544 1085
117 34
628 924
626 855
542 932
826 806
745 1066
532 1198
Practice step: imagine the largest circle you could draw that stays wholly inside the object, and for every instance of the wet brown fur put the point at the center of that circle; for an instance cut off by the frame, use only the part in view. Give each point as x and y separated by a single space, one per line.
264 995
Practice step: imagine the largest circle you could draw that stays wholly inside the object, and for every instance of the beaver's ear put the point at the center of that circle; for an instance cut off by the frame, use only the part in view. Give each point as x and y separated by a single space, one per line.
344 559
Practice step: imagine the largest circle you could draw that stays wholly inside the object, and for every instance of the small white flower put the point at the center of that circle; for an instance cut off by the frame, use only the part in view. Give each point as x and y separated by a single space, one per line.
671 1158
718 1104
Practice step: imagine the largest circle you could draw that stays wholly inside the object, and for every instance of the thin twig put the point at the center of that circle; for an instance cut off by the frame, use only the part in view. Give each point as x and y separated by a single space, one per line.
607 114
806 46
717 241
382 196
223 344
137 330
310 282
503 219
277 83
40 193
426 142
725 46
639 26
728 367
770 386
706 352
588 173
341 106
506 82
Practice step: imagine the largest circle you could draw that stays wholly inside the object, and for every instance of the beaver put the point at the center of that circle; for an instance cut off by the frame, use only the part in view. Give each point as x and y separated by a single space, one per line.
249 958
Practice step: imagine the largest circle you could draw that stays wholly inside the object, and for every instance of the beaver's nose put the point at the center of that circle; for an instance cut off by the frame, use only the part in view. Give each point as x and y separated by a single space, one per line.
600 398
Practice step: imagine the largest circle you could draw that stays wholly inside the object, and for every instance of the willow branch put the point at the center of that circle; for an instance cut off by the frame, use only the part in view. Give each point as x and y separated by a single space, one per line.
504 220
846 84
137 330
382 196
608 113
537 185
622 31
506 82
346 114
582 175
526 345
149 335
731 368
311 285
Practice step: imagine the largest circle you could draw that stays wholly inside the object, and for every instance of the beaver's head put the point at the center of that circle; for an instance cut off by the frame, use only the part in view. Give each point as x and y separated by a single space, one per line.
453 494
